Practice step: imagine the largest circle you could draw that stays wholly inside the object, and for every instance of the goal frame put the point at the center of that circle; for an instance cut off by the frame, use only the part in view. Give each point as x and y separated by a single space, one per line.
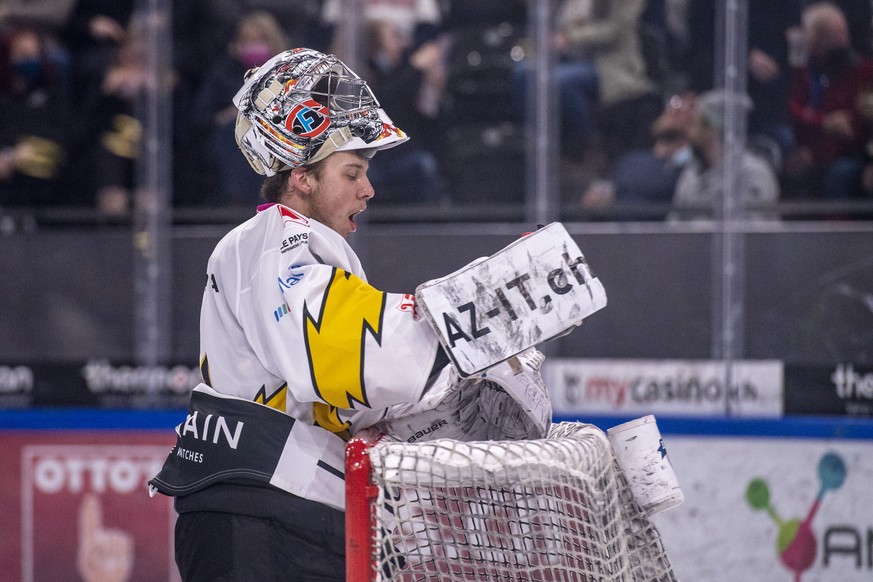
635 552
361 492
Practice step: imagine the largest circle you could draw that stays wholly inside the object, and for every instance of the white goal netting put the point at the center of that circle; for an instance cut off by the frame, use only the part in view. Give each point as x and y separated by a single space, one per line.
554 509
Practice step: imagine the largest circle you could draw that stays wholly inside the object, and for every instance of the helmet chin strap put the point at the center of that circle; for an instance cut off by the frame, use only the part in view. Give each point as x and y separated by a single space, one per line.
333 142
258 156
267 95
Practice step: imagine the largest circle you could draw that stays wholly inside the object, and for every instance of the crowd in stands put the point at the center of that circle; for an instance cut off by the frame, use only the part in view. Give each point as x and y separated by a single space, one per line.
641 115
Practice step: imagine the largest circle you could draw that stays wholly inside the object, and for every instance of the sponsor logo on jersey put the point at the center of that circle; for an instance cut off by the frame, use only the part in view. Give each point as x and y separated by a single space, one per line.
294 241
289 215
289 281
211 427
308 119
407 304
280 311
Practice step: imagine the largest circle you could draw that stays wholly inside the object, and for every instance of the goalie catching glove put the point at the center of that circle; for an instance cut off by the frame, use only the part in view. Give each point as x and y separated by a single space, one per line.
506 402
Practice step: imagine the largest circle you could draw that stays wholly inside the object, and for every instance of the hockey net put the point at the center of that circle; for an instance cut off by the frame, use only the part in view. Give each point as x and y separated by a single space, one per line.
554 509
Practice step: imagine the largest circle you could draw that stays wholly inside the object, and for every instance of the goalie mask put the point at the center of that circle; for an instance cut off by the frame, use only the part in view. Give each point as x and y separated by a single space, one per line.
301 106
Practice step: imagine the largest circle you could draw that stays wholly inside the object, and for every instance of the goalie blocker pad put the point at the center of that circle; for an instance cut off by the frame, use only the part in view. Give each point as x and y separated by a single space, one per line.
533 290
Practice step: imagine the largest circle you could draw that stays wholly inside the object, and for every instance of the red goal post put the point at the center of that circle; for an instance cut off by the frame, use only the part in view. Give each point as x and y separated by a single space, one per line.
552 509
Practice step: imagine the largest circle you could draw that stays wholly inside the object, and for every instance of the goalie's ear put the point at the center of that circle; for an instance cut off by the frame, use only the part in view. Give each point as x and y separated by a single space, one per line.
301 180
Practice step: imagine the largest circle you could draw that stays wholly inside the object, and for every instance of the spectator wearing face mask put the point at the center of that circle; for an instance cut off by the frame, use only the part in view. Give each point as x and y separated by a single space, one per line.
258 37
93 33
34 121
827 97
700 185
642 176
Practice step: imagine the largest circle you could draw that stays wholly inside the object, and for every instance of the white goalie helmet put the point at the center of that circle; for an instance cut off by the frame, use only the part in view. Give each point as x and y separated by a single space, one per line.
301 106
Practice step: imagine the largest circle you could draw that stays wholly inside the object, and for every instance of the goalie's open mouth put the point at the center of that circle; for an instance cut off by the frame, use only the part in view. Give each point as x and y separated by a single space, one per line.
352 216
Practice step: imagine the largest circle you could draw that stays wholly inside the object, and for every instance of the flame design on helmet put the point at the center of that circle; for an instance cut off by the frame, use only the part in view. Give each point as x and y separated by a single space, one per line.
301 106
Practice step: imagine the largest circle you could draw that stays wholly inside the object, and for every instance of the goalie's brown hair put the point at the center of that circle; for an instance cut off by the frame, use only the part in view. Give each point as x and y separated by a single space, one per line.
274 187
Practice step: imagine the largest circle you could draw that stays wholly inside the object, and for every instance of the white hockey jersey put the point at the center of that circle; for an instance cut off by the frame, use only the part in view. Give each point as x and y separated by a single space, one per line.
289 321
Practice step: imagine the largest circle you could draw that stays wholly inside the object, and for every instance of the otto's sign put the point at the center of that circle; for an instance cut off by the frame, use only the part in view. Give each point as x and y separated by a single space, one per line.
532 290
74 506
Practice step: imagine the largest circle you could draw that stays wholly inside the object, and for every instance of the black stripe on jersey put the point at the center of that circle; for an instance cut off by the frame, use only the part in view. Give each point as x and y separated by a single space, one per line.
333 471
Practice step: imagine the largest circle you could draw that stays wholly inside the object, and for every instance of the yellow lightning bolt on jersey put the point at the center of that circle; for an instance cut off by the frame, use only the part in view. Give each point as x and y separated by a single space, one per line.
327 417
335 340
277 400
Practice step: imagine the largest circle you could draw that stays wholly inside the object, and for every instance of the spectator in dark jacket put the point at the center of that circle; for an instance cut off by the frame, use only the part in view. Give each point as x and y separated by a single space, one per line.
410 83
258 37
34 122
826 98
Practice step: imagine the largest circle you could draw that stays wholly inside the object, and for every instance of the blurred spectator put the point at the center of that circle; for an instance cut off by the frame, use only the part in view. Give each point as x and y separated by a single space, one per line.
700 184
769 25
676 30
650 175
113 135
52 15
258 37
417 20
35 118
827 96
300 19
600 64
201 32
95 30
410 84
859 16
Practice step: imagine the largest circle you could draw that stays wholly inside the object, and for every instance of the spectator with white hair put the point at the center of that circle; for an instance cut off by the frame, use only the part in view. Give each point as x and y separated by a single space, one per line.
827 98
700 185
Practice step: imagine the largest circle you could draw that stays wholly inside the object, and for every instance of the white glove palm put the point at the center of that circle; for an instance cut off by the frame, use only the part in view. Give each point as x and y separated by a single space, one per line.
508 402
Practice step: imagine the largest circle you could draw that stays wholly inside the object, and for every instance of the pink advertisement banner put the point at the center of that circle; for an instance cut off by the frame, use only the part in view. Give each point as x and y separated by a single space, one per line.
74 506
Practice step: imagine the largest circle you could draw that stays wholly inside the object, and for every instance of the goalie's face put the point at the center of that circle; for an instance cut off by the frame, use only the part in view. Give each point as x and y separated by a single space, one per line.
337 191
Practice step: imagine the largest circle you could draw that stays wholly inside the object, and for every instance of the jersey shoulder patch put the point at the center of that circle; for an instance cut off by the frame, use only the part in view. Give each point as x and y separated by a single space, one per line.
290 216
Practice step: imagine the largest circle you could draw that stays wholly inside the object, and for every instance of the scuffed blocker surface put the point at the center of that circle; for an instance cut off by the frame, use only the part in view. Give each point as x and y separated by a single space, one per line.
532 290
